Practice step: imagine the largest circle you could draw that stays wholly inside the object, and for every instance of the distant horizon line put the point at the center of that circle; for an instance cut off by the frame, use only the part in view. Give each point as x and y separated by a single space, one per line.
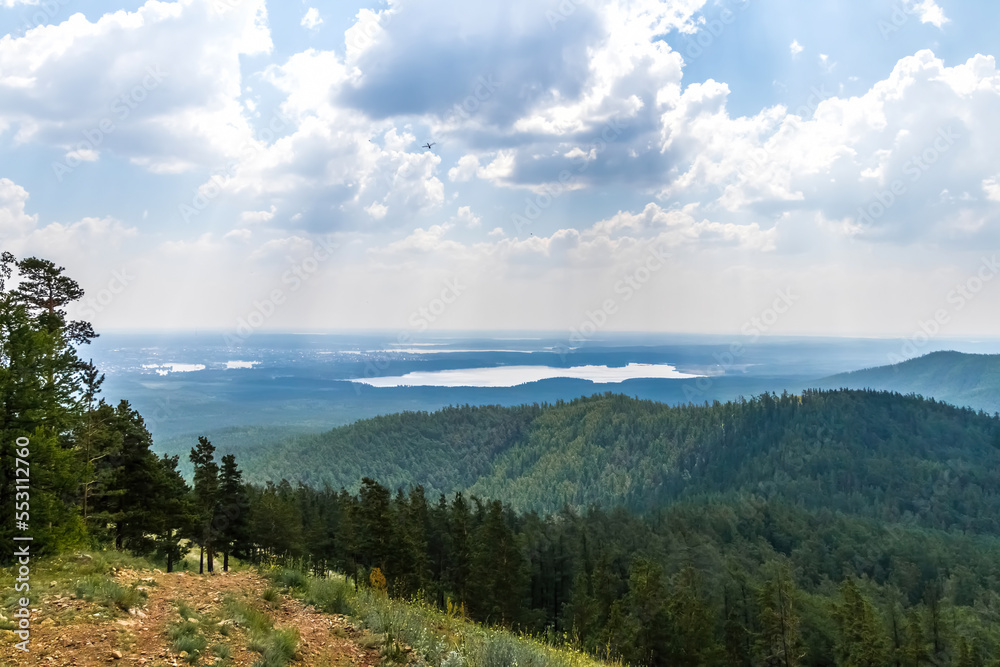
545 333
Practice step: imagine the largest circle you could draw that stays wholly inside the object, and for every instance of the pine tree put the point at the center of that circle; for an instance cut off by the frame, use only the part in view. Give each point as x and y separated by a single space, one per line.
89 433
134 481
459 569
206 494
232 520
691 622
498 570
914 645
41 398
862 637
174 512
778 637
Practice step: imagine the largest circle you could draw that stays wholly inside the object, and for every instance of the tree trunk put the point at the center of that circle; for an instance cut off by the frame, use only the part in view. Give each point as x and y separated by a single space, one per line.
201 560
225 560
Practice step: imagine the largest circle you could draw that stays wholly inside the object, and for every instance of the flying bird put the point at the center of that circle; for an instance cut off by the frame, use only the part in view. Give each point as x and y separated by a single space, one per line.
428 145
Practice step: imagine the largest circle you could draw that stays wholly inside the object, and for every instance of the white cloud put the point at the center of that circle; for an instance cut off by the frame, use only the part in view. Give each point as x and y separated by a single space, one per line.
466 217
795 48
311 20
258 216
159 85
991 186
465 170
14 221
82 155
913 129
928 11
376 210
239 235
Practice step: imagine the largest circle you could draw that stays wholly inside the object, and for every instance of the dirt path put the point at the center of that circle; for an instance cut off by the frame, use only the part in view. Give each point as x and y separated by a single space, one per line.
71 632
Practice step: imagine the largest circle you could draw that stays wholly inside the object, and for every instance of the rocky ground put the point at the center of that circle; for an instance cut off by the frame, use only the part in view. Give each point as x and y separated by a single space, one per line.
71 631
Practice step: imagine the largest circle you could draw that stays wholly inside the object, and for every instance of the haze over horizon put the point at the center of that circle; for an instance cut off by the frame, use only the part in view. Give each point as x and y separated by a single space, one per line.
681 166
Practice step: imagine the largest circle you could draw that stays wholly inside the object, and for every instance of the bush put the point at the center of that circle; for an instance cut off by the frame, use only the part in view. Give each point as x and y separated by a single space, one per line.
289 579
279 648
272 596
329 596
255 621
108 592
185 636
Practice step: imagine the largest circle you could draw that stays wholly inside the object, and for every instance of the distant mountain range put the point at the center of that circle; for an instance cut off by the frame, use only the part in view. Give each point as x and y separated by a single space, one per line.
971 380
875 454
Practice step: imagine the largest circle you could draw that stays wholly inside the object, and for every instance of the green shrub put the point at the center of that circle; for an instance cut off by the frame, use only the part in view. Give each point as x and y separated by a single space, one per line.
108 592
182 630
329 596
289 579
185 610
222 651
256 622
272 596
279 648
193 644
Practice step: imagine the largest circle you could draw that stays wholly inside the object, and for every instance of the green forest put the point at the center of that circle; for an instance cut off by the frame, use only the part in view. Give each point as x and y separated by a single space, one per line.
846 527
955 377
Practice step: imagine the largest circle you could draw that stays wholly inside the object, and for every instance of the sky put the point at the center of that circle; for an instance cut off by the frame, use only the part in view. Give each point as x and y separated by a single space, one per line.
688 166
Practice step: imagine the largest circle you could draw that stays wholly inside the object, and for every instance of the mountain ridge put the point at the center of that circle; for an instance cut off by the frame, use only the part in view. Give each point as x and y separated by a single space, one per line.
959 378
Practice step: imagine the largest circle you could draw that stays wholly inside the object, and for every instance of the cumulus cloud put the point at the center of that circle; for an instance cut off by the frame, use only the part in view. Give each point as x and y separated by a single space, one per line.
928 11
466 217
14 221
910 133
311 20
259 216
159 85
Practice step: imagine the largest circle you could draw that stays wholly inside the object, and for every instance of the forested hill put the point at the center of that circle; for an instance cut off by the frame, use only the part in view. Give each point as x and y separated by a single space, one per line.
877 454
960 379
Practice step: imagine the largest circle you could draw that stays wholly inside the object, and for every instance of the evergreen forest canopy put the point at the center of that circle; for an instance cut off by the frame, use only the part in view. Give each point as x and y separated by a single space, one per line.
831 528
863 452
955 377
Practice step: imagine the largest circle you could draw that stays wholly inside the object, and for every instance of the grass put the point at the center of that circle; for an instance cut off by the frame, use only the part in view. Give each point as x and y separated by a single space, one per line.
85 575
185 610
272 597
329 596
186 634
290 579
277 646
106 591
416 631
